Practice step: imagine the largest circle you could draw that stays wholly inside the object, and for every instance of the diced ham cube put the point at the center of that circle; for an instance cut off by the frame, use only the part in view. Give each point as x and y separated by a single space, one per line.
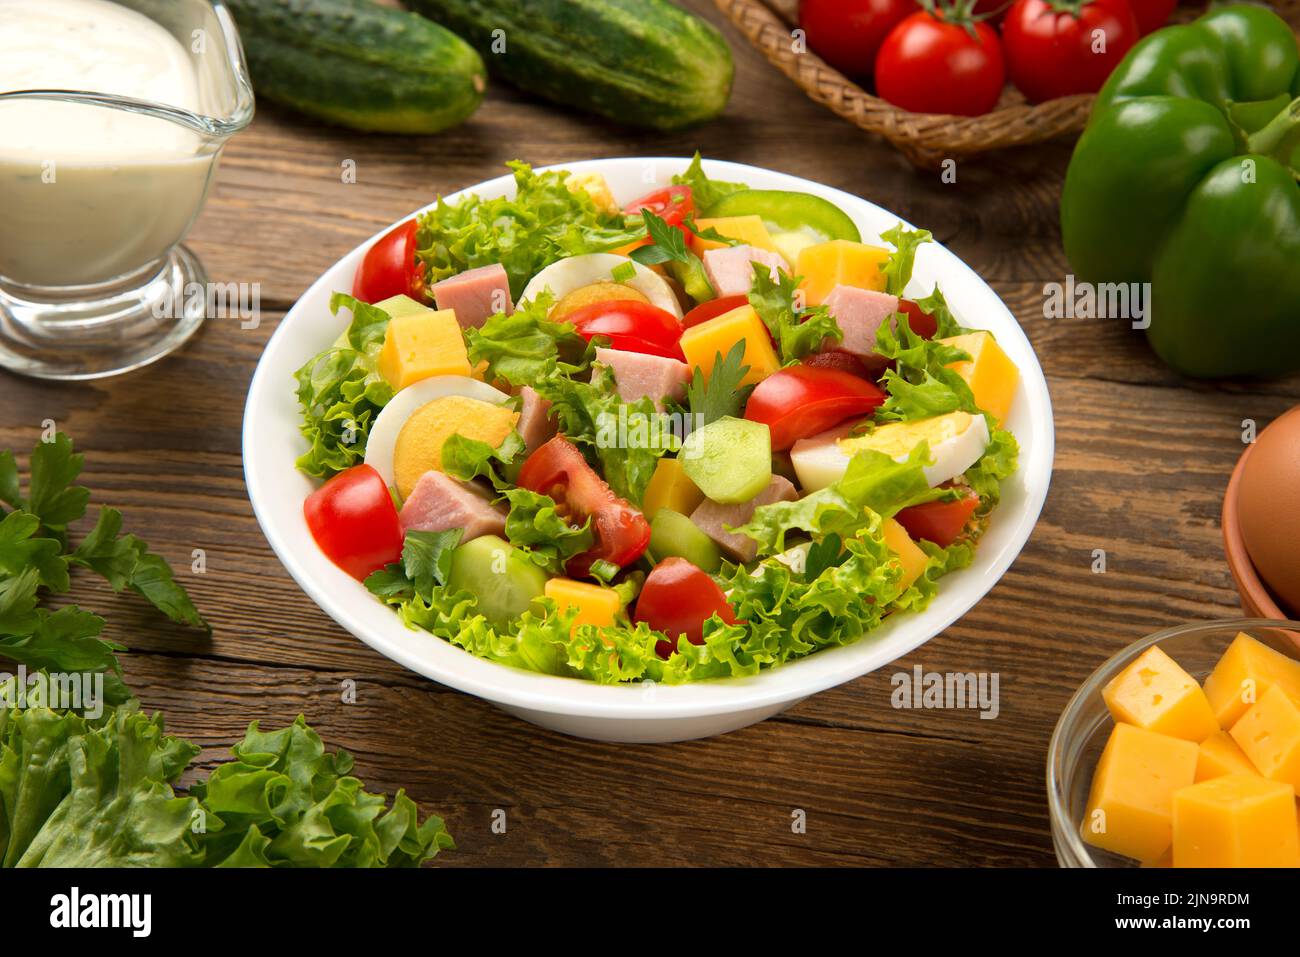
860 313
535 424
713 519
475 294
731 268
638 376
439 503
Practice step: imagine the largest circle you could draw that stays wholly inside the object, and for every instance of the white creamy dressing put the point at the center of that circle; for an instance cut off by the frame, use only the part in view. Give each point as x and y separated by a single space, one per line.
91 193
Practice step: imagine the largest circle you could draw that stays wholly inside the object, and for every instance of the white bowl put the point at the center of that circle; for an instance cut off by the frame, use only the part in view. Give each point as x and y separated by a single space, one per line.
641 712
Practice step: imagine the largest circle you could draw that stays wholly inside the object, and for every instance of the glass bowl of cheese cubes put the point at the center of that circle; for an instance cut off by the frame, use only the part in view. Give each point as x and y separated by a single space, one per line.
1183 750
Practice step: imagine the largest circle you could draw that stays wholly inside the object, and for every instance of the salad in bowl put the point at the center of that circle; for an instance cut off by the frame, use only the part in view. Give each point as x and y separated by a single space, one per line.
695 434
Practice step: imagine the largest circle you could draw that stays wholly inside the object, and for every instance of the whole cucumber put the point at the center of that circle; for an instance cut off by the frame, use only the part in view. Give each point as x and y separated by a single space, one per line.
643 63
359 64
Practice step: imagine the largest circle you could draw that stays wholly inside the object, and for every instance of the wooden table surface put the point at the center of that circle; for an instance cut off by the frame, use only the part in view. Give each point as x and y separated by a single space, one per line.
1141 464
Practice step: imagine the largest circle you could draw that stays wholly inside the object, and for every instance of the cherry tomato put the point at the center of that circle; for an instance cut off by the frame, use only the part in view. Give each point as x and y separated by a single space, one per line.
847 33
389 268
939 522
1151 14
354 521
840 361
920 321
558 469
1051 46
677 599
631 326
672 204
802 400
930 64
712 309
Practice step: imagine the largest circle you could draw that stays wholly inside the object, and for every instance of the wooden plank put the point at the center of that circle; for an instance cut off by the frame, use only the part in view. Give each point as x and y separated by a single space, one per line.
1142 460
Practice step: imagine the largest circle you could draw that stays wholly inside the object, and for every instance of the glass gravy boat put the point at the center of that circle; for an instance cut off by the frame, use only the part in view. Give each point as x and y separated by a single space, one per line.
94 280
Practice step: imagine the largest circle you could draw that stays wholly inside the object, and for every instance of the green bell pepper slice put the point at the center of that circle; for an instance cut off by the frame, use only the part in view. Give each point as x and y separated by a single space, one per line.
790 212
1186 178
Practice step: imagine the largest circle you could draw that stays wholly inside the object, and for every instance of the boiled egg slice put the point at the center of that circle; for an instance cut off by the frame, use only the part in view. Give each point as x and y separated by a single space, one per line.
956 441
406 437
569 275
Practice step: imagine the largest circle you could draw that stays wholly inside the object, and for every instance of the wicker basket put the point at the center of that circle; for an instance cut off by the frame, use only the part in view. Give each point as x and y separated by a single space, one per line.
927 139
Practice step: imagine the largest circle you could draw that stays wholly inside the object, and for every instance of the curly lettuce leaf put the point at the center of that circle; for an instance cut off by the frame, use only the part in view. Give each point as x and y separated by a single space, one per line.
544 222
920 385
624 439
119 809
998 463
797 332
873 486
898 268
306 809
705 192
524 347
341 392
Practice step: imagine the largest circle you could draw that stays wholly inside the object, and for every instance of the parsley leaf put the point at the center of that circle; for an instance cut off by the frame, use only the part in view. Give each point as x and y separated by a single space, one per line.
126 562
51 496
667 243
722 395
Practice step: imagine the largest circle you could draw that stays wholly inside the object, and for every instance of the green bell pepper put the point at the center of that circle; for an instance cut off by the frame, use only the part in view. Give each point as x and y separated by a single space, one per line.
790 212
1186 178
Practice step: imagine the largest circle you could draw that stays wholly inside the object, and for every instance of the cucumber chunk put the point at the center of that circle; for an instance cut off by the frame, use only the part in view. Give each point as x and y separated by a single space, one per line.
503 579
673 534
729 459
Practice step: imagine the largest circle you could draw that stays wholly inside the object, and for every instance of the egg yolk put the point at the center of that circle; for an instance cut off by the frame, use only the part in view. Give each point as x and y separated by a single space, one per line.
419 444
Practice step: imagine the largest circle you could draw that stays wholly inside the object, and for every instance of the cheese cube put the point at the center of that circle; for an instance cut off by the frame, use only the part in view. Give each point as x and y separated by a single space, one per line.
1269 734
746 229
670 487
420 345
1130 807
1238 820
1248 669
1221 755
702 344
840 262
909 553
596 605
992 377
1155 693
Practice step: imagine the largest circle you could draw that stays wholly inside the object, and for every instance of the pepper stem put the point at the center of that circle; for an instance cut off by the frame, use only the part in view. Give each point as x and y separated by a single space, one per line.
1281 137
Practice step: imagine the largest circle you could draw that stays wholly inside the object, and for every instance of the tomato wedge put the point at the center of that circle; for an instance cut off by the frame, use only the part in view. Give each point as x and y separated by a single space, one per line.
558 469
389 268
712 309
799 401
939 522
677 599
672 204
631 326
354 521
841 361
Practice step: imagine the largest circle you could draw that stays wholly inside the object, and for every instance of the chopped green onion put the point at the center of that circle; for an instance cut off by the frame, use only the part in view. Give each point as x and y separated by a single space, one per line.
624 272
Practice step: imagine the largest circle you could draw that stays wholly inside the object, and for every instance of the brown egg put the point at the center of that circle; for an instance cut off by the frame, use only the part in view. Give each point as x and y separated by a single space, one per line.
1269 506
